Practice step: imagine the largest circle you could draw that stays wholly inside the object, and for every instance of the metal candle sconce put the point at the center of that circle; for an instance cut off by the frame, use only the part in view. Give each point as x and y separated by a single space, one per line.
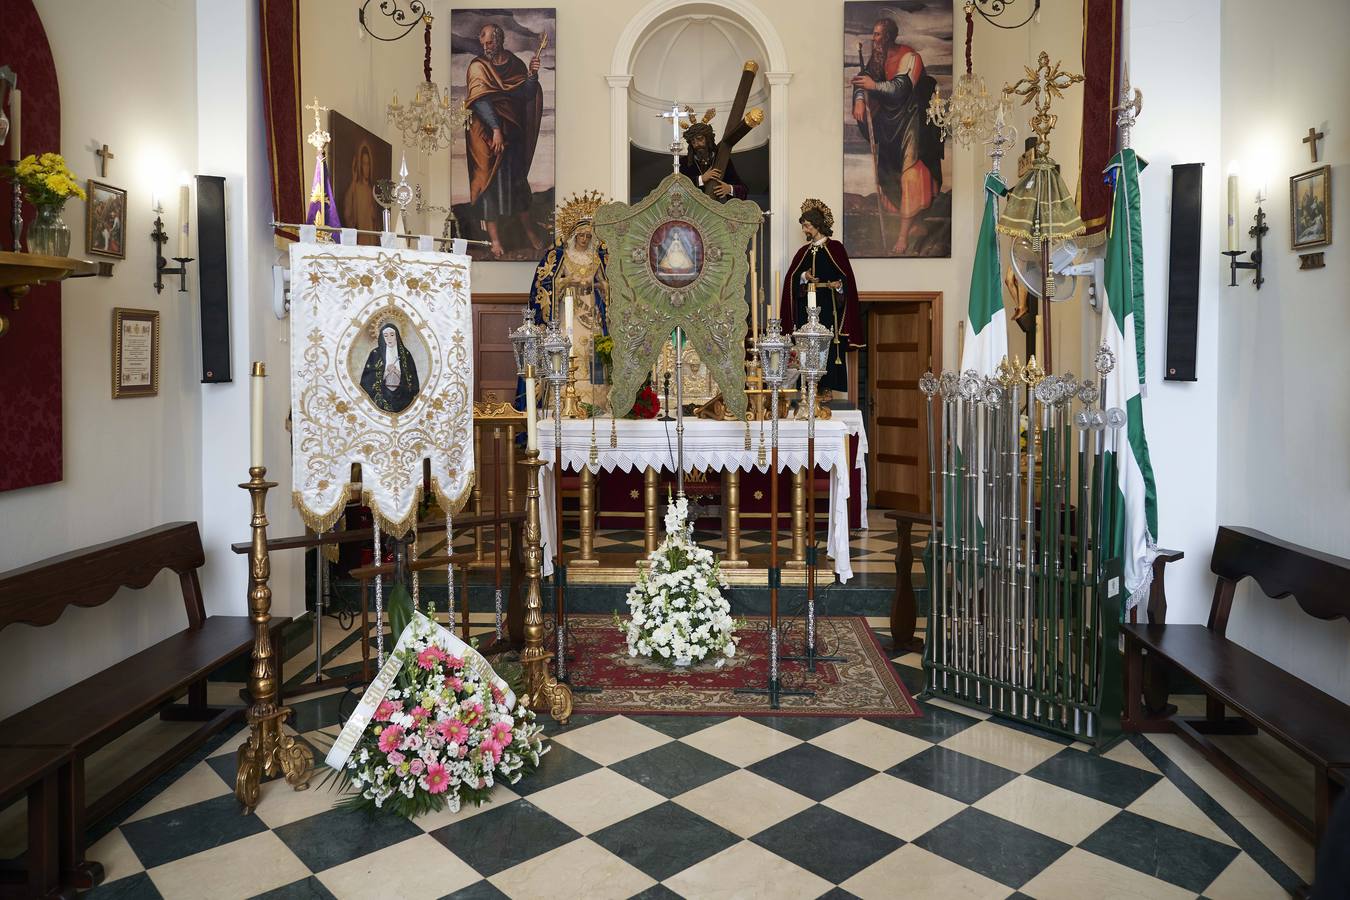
1256 233
160 237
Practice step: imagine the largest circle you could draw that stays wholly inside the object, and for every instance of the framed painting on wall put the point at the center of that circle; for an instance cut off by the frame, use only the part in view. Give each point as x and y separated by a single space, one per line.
135 356
1310 208
502 68
105 221
897 176
360 159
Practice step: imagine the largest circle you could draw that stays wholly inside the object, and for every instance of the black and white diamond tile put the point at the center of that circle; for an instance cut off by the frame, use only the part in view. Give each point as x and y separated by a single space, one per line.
956 803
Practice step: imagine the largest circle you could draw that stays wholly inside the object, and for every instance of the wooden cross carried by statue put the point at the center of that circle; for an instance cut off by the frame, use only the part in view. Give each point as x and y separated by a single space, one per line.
739 124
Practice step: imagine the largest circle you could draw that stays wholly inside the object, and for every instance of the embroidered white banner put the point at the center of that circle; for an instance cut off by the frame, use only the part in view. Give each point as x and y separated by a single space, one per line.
381 375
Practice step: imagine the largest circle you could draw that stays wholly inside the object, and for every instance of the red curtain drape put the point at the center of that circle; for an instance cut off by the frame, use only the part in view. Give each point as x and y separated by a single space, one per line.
280 22
1101 91
30 353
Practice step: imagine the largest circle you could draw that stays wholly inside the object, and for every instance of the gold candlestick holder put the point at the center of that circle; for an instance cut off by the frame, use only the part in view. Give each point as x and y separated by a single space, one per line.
269 751
571 398
542 690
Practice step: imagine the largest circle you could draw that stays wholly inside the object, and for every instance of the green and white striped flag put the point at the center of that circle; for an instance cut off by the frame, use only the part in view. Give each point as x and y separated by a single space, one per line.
986 340
1135 526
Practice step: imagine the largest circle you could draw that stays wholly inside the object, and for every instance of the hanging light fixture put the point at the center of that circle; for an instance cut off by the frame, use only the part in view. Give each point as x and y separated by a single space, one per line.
430 121
968 116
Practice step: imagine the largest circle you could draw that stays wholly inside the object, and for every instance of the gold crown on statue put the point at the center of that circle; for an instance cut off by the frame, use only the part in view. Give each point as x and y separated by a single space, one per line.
813 203
579 209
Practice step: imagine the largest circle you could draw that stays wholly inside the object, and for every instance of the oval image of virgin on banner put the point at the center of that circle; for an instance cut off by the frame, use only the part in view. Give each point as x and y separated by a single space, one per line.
675 253
388 360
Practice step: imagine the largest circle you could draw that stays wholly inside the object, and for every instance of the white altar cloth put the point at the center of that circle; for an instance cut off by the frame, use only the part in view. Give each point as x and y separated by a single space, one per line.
709 445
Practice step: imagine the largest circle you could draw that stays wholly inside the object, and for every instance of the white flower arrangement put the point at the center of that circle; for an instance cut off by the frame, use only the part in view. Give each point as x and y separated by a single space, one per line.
678 611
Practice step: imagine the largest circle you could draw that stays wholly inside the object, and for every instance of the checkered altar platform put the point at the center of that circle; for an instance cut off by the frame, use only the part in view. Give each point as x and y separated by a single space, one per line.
944 806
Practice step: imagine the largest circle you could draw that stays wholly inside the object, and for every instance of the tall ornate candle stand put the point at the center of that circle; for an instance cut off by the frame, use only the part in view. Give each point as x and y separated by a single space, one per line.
812 341
541 689
268 752
773 354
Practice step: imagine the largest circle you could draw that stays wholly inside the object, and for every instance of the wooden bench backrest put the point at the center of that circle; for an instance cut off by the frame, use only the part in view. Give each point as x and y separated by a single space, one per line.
1320 582
37 594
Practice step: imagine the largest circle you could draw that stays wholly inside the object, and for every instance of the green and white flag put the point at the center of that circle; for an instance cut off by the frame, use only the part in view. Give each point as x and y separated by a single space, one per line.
1135 526
986 340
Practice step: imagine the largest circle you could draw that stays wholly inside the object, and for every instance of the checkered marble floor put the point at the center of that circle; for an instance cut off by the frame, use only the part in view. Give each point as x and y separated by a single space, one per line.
952 804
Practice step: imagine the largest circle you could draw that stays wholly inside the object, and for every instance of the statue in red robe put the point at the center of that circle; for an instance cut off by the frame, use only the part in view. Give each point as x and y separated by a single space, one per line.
824 262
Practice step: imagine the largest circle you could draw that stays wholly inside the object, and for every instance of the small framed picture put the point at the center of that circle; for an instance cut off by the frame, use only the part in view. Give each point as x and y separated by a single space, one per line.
1310 208
105 226
135 353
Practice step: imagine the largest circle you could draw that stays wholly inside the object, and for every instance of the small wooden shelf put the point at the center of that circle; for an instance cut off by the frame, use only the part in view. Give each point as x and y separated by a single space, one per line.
20 271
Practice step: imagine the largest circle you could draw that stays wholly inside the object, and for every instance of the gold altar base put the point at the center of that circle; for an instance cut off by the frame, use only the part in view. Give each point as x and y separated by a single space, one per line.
623 568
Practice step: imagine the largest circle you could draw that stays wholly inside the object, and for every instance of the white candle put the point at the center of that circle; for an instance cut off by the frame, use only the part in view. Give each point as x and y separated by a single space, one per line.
811 296
531 416
1233 212
256 419
15 125
183 221
567 313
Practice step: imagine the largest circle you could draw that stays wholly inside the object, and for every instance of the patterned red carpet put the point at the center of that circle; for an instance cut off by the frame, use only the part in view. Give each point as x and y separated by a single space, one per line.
865 684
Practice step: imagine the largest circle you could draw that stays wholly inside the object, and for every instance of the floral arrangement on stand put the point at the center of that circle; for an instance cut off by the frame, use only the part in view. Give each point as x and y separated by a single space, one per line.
443 735
646 405
48 183
678 614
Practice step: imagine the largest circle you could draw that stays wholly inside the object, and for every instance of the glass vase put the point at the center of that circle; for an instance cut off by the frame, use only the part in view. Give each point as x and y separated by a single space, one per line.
48 234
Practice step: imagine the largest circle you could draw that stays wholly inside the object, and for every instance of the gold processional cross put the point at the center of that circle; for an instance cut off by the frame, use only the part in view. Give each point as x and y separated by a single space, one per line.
1042 84
318 138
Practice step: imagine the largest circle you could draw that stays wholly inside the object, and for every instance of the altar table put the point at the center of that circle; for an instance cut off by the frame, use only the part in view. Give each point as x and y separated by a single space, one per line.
710 445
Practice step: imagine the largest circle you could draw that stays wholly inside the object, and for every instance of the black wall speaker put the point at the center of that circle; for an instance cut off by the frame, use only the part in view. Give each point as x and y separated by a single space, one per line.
213 270
1183 271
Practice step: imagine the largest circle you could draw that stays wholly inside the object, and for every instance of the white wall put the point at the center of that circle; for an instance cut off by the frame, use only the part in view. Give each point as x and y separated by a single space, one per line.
1283 365
1171 44
126 73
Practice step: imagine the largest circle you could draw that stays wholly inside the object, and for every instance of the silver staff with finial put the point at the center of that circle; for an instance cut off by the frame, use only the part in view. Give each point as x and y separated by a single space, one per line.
1128 110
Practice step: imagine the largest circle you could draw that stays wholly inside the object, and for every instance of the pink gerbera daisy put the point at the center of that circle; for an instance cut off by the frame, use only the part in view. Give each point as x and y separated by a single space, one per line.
386 709
436 781
430 658
453 731
418 713
390 738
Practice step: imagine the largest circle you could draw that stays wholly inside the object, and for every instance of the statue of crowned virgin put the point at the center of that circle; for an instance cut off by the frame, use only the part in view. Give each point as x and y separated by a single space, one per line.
571 276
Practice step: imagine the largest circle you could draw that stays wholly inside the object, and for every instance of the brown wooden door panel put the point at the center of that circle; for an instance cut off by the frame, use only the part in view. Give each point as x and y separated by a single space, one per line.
900 349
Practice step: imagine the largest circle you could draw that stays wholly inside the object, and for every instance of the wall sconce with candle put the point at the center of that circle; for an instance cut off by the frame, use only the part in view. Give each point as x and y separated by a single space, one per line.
1256 233
160 237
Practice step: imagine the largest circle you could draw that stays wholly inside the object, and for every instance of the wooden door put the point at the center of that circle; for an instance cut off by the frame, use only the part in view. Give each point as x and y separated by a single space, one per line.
902 336
494 316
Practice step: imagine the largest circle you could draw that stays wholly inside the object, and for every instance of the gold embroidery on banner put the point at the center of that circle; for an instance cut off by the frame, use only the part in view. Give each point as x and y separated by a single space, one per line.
334 429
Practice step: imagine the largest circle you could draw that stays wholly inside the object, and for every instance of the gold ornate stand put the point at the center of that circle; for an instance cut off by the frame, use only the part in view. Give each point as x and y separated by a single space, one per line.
586 557
269 751
799 512
543 692
731 519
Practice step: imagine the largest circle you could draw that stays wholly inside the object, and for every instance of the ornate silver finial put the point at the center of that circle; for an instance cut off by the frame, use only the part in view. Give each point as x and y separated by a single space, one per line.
948 385
1087 393
1005 136
1046 390
1115 417
928 383
1082 419
969 385
1129 108
402 193
1104 361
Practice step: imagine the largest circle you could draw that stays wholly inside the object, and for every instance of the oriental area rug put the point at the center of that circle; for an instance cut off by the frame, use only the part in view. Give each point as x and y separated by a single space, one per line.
864 684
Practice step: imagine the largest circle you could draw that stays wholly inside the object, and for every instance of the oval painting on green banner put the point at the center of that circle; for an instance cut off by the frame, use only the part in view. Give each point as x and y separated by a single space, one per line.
675 253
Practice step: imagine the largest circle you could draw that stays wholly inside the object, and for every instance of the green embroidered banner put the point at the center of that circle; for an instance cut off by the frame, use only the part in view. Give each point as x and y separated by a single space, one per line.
677 260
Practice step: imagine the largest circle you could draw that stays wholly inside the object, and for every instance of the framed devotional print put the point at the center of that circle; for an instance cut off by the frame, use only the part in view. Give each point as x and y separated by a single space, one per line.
135 357
1310 208
106 221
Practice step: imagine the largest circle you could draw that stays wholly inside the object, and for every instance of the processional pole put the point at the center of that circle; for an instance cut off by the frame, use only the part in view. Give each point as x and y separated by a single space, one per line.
812 341
773 356
556 349
675 114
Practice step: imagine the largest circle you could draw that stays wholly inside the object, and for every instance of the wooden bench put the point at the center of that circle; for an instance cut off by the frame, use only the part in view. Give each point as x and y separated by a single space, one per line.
86 716
1313 724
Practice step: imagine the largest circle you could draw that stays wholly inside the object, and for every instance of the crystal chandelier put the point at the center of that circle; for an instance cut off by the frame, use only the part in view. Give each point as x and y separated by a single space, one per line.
429 122
968 116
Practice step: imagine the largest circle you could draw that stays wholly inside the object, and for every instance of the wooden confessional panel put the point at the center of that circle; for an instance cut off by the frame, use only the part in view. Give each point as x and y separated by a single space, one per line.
494 316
